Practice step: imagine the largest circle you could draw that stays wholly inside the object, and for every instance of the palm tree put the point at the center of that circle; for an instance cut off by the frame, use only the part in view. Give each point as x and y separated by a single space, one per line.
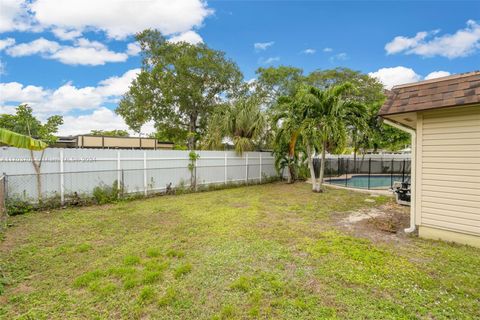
243 122
331 115
287 119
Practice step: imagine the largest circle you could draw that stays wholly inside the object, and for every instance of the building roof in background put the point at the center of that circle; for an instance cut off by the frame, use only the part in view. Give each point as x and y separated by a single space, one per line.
455 90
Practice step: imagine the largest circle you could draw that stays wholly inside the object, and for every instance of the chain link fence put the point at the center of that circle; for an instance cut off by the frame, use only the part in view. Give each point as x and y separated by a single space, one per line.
365 173
3 210
59 188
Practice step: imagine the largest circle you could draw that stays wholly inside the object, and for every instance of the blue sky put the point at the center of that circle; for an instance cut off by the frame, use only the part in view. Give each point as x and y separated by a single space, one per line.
76 58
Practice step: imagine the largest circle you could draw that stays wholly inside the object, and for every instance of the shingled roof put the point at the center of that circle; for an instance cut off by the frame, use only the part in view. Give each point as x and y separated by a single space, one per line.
456 90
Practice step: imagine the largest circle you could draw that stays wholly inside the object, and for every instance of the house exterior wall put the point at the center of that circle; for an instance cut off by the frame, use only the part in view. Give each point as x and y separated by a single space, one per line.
88 141
448 174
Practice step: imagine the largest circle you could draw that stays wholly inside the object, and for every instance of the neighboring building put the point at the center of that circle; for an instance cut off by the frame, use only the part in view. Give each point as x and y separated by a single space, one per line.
443 116
108 142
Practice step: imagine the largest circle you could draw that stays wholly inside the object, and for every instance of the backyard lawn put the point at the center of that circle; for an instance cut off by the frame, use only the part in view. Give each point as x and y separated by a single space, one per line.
267 251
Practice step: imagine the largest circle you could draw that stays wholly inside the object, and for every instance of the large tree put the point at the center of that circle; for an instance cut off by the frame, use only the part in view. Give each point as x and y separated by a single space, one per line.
381 136
368 90
274 82
179 85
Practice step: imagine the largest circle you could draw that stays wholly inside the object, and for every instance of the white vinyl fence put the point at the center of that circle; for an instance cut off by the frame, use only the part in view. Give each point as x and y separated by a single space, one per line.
68 172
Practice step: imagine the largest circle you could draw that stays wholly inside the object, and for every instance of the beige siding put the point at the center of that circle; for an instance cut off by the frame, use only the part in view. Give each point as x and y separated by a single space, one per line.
448 162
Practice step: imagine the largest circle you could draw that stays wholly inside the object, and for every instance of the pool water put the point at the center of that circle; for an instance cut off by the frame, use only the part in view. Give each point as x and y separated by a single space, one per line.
361 181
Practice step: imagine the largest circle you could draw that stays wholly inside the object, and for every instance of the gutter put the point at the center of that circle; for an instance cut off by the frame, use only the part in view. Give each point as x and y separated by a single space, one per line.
413 134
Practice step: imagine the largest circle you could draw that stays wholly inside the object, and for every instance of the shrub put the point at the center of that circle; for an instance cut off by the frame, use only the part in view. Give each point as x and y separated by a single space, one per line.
16 206
106 194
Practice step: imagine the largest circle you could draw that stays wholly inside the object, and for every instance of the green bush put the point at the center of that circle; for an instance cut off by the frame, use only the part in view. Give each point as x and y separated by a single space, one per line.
16 206
106 194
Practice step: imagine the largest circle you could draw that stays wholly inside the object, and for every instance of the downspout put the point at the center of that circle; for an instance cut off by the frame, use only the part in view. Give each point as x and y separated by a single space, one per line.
413 134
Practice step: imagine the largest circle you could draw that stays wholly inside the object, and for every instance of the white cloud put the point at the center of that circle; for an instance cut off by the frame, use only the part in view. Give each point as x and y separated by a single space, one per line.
462 43
342 56
100 119
401 75
327 49
64 34
84 52
87 56
16 92
5 43
400 43
67 97
13 15
395 76
120 19
190 37
269 60
133 49
117 86
263 45
437 74
39 46
309 51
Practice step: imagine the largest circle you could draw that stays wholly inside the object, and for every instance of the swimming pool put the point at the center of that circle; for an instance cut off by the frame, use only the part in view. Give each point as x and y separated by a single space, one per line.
361 181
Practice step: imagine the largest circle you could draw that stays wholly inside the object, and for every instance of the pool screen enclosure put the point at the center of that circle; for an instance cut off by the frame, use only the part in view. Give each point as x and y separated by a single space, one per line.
371 173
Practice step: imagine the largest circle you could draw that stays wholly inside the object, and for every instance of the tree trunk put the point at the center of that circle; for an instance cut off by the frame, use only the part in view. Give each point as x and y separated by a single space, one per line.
37 167
289 176
291 173
192 130
322 166
313 179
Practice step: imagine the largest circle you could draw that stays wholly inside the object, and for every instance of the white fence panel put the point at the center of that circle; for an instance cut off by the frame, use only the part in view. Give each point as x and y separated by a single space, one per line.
79 171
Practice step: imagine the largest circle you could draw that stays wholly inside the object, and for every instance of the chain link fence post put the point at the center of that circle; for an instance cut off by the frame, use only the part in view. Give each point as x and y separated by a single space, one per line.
346 174
226 168
3 209
391 174
246 168
369 171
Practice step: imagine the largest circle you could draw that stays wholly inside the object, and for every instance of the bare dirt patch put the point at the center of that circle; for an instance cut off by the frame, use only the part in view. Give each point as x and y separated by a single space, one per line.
385 223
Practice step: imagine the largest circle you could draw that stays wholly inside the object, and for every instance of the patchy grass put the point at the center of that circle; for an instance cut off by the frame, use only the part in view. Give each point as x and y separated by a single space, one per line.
269 251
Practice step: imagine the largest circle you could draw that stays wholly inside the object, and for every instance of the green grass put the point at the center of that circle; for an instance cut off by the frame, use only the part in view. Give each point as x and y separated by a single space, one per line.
267 251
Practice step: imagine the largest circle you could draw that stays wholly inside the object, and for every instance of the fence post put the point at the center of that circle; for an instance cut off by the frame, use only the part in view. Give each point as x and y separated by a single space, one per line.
5 191
370 171
260 161
391 175
62 180
226 166
403 171
346 174
195 170
3 209
145 186
122 190
246 167
118 170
